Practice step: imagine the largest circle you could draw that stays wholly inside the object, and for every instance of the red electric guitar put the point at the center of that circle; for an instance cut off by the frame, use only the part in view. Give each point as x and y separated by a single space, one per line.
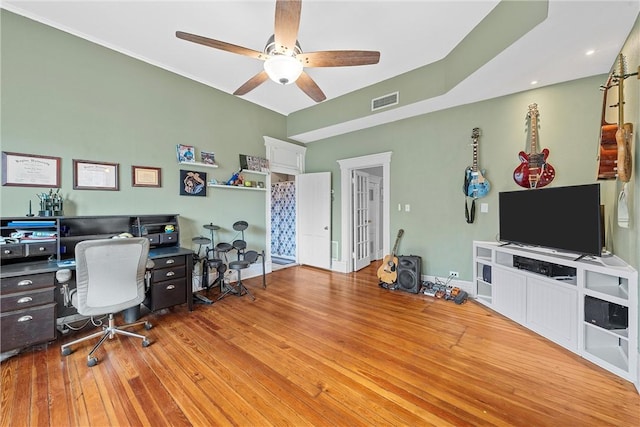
534 171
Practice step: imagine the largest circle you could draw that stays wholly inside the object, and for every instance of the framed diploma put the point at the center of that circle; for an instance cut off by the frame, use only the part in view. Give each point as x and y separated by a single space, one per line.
30 170
145 176
88 175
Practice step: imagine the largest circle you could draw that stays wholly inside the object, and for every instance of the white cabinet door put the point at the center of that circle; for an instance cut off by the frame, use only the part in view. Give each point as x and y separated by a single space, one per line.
552 311
510 294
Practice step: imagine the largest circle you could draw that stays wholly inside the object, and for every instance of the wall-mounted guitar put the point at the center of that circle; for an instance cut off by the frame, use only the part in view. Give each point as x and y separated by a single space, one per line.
388 271
475 184
625 130
608 155
534 171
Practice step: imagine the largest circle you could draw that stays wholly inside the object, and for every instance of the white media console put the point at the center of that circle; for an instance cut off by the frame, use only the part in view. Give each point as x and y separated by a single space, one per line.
547 292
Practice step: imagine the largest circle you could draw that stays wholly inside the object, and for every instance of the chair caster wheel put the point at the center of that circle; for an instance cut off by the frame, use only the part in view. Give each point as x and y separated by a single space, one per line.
66 351
148 325
92 361
146 343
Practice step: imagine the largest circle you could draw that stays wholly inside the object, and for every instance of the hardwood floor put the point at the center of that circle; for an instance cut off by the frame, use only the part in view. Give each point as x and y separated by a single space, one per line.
323 349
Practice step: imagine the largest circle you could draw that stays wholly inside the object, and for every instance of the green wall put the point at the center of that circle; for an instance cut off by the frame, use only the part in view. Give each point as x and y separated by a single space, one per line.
67 97
431 152
506 23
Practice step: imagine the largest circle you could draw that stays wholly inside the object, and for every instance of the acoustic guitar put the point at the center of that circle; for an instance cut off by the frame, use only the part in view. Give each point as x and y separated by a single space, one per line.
476 185
534 171
625 130
608 155
388 271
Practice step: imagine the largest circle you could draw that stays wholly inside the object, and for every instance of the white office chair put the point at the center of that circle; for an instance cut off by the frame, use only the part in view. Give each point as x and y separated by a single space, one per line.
110 277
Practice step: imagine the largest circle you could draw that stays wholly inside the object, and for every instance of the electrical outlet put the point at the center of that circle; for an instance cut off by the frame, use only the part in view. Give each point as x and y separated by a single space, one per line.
453 274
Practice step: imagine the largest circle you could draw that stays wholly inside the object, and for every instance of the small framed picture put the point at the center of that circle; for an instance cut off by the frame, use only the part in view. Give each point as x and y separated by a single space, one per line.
208 157
186 153
30 170
146 176
89 175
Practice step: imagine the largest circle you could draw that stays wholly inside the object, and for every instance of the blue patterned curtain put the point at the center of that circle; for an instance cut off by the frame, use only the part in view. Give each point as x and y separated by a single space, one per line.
283 219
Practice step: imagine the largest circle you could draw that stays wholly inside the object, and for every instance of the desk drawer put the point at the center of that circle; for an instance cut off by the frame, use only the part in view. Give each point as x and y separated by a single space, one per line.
41 249
168 273
27 299
170 261
166 294
9 251
26 283
23 328
169 238
154 239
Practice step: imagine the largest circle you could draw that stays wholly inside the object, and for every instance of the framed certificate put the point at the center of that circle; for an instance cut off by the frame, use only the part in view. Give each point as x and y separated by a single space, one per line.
88 175
30 170
145 176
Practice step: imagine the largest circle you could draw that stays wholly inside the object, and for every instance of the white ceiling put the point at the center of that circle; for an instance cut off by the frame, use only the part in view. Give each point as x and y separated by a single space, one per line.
409 34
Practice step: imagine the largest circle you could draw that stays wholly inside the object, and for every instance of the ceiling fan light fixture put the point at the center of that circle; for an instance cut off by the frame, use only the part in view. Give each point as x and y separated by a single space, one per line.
283 69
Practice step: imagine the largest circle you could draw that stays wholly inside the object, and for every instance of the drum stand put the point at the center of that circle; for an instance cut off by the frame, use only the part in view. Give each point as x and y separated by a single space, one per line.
204 272
208 263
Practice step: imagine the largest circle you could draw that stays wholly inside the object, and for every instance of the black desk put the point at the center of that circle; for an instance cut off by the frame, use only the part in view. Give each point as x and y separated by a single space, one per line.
31 302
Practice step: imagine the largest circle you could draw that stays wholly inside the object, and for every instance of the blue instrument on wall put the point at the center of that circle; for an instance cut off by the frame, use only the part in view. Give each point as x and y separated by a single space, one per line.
475 184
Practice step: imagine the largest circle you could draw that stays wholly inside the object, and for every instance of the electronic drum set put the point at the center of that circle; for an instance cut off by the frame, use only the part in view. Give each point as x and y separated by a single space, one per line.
212 260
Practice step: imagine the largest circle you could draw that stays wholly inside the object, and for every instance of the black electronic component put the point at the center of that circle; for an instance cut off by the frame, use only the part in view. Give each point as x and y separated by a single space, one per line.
545 268
605 314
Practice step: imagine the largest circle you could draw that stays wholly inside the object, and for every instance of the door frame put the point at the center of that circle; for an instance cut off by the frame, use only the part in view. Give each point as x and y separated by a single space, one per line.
375 183
287 158
344 263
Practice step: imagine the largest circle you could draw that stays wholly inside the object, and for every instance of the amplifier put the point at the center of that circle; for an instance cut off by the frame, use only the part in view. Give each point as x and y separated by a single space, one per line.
605 314
542 267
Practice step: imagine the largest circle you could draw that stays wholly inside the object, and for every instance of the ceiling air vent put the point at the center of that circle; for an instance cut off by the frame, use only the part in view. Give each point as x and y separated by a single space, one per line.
384 101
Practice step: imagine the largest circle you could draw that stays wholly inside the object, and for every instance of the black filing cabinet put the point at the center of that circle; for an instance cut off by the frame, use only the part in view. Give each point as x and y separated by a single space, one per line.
28 310
169 281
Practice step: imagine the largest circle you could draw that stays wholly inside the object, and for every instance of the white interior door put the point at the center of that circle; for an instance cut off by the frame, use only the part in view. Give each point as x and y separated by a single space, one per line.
361 253
313 191
375 213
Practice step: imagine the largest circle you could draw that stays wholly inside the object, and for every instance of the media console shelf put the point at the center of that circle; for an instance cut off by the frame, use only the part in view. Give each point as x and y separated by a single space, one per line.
589 306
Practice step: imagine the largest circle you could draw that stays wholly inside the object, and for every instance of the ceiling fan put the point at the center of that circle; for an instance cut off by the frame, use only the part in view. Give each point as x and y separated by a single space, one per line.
283 58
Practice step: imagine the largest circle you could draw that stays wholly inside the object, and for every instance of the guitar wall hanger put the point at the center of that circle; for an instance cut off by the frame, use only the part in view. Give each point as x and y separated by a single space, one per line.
627 75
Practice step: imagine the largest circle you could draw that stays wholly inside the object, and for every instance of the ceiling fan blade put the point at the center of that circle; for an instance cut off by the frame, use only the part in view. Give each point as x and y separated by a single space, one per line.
286 25
308 86
338 58
217 44
252 83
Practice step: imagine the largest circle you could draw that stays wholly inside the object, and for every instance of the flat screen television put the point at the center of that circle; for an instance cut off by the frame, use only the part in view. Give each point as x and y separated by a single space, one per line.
567 219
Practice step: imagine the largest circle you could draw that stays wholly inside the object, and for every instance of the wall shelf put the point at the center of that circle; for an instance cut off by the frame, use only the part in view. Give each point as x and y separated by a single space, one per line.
255 172
199 164
236 187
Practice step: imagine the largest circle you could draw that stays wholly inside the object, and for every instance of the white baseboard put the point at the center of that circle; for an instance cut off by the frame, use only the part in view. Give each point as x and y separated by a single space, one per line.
254 270
338 266
637 379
